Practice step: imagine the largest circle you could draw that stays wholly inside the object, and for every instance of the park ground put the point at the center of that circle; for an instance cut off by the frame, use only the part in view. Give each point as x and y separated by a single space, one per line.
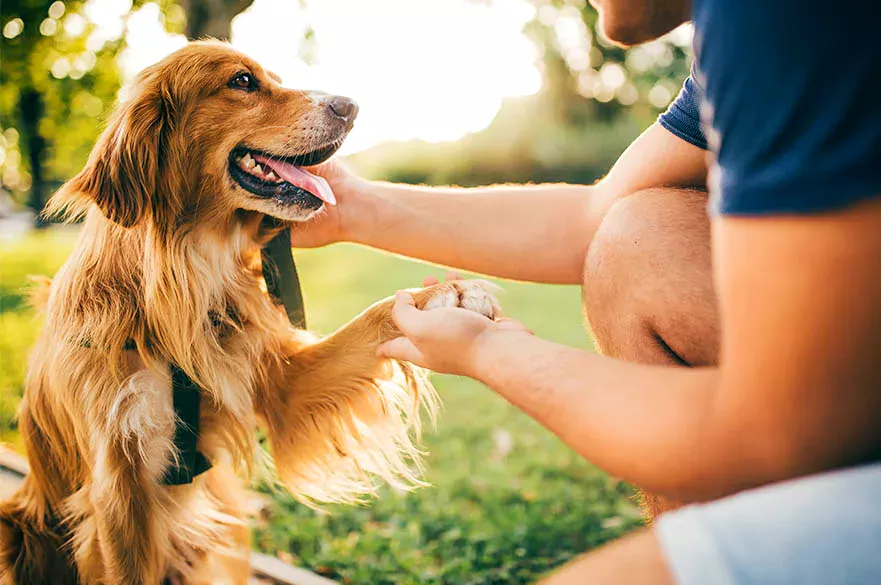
506 501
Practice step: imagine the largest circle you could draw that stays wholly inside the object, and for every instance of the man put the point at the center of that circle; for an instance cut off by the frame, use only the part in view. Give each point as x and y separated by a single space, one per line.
773 300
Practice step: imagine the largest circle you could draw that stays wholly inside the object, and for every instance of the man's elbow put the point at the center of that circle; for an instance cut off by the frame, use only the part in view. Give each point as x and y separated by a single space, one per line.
747 456
728 460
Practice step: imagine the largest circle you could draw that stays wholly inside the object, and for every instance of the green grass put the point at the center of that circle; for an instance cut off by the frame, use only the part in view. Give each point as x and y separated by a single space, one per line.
507 501
40 254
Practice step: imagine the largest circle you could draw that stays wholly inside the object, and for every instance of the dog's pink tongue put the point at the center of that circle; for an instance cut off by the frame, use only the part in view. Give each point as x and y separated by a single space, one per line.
297 177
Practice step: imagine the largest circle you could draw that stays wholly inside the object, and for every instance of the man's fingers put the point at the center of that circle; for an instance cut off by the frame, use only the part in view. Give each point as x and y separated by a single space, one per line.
404 299
400 348
450 275
406 316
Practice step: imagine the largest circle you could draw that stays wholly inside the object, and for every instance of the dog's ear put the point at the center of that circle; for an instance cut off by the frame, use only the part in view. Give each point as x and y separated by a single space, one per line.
123 170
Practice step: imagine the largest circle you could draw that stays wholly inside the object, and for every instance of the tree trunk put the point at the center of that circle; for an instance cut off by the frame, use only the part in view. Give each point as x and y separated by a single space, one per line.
212 18
31 109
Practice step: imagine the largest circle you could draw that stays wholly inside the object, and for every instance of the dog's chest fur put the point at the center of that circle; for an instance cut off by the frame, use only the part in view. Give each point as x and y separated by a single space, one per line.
202 307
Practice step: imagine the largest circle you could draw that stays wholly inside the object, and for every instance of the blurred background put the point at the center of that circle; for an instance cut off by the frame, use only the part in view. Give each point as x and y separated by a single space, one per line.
462 92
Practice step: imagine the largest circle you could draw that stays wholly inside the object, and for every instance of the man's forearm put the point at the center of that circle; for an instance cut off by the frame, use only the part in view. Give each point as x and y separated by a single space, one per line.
539 233
535 233
652 425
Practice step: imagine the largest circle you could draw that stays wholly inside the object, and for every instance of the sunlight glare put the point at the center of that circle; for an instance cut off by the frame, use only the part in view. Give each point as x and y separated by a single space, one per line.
146 40
428 69
432 70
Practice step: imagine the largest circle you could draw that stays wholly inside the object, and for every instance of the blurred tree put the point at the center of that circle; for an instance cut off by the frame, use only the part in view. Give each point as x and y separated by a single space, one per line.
588 77
212 18
59 75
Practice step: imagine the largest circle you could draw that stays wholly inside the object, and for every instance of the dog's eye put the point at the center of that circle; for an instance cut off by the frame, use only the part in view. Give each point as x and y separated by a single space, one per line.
243 81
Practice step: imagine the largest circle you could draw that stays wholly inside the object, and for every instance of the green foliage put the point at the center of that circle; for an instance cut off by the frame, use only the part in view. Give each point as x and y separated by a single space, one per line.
592 79
507 501
52 61
60 79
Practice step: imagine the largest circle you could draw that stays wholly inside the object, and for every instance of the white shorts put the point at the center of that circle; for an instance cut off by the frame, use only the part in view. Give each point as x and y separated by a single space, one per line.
818 530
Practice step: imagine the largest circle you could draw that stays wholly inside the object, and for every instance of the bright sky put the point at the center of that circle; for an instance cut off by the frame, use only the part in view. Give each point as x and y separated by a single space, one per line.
427 69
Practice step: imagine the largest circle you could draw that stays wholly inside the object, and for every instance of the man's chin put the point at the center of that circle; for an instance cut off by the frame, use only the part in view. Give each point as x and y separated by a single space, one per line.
627 34
642 25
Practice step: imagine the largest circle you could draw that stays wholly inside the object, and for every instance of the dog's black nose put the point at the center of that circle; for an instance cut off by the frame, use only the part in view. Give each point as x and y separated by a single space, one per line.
343 107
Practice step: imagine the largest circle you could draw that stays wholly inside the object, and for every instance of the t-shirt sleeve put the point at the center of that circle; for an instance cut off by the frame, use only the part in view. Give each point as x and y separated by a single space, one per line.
683 118
792 103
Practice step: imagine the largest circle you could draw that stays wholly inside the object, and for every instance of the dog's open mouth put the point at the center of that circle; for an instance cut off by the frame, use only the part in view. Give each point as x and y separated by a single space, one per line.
282 178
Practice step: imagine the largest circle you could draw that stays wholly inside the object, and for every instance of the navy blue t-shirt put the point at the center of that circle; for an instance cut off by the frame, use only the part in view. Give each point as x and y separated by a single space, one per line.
787 95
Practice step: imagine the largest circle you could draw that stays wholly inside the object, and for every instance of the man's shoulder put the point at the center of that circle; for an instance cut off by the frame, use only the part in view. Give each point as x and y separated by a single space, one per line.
791 92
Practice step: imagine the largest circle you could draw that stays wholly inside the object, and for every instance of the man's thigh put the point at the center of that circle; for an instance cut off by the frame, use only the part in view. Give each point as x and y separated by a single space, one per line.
648 285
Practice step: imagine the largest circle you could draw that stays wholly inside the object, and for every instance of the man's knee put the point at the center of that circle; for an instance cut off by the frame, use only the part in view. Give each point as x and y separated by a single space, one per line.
615 252
647 279
633 243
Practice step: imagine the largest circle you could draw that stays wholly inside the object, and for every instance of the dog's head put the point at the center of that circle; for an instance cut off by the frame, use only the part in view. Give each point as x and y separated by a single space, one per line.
207 132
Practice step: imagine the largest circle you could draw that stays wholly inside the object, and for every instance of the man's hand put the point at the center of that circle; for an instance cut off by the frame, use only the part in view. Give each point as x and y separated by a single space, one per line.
445 339
329 225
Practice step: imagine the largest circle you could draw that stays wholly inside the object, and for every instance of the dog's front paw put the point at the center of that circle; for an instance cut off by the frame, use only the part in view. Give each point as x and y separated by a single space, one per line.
474 295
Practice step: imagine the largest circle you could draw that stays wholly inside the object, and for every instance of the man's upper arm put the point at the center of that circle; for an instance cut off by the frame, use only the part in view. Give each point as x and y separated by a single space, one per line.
657 158
801 323
790 92
671 153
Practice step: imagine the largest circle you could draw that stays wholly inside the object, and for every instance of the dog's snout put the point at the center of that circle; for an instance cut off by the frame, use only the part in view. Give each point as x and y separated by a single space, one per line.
343 107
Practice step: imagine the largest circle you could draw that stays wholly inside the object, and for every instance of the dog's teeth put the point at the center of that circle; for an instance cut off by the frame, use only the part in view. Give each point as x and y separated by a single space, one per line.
248 161
257 169
271 176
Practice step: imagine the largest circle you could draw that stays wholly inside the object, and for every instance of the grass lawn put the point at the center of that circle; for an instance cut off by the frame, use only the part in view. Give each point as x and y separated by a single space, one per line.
507 500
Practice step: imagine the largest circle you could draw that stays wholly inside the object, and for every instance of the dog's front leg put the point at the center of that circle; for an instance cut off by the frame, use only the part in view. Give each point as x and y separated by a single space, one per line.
345 416
130 509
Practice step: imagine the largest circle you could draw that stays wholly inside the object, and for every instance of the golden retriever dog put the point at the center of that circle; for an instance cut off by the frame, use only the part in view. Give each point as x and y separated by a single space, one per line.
195 173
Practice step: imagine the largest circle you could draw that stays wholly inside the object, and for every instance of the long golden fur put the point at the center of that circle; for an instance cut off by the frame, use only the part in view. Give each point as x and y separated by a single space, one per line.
169 257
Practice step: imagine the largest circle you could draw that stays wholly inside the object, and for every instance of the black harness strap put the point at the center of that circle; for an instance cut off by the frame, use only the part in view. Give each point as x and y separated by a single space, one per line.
190 461
283 284
282 280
